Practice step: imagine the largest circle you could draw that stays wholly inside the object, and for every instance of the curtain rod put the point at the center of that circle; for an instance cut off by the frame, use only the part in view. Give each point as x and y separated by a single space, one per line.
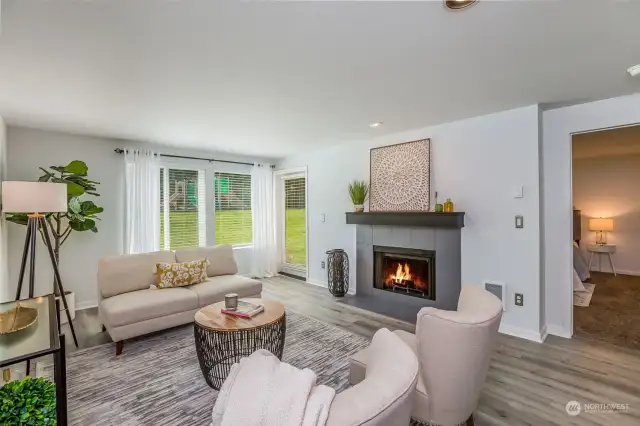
211 160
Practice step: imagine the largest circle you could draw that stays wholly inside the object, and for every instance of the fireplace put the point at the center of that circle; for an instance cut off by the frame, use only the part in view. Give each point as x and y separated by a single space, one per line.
410 272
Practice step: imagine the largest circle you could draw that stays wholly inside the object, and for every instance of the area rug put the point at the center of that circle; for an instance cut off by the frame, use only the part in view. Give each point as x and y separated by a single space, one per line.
583 298
157 379
613 315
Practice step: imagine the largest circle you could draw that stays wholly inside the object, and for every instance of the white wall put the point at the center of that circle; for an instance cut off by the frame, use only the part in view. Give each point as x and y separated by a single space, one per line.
4 275
479 163
559 124
608 187
29 148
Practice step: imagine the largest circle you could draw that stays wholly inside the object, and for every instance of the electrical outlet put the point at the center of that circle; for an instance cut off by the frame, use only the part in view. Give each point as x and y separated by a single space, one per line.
519 299
322 264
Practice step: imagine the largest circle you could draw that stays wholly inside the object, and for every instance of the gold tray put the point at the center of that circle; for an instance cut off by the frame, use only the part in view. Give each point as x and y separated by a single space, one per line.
17 319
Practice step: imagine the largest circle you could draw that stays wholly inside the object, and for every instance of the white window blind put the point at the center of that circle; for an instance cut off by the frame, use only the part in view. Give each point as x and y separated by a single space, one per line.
295 231
233 208
182 208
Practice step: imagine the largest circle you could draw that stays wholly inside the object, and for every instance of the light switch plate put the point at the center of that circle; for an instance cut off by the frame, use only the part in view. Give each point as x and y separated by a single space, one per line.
322 217
519 222
519 192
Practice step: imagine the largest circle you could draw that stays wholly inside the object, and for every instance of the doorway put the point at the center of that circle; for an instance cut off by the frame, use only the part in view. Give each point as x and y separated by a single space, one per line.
606 235
291 188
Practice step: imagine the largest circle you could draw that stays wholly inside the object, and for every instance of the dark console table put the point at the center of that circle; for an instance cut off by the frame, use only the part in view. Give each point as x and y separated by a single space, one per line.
40 339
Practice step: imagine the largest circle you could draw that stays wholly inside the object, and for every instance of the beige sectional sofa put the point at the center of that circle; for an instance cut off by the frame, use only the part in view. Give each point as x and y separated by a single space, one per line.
129 307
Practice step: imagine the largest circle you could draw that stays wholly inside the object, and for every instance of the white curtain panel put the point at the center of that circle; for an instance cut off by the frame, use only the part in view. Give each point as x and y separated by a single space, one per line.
265 251
4 252
142 202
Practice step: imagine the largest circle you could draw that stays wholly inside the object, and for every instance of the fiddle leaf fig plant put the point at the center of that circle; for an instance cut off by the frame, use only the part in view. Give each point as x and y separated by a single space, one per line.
81 214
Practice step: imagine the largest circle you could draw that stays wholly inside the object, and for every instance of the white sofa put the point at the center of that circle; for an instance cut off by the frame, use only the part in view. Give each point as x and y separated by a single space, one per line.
129 308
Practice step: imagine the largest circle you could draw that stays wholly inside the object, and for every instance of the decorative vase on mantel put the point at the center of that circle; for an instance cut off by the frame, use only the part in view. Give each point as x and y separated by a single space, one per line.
448 206
439 207
358 208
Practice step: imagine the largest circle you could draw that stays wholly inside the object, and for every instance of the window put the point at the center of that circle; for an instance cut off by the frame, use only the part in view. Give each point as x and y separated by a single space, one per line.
295 226
182 208
233 208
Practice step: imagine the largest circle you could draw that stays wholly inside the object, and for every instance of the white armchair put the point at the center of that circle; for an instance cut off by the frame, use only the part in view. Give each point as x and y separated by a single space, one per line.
383 397
454 350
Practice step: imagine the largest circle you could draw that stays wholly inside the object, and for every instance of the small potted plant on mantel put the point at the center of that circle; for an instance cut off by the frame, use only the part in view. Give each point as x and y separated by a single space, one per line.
359 192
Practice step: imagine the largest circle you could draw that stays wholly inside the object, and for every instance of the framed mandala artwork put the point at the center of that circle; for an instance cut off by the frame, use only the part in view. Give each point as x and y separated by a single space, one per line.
401 177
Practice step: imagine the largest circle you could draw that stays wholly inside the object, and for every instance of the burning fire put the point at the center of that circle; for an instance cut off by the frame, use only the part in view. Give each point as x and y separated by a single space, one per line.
403 277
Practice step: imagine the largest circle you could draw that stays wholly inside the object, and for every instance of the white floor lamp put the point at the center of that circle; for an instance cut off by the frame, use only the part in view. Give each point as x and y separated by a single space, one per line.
35 199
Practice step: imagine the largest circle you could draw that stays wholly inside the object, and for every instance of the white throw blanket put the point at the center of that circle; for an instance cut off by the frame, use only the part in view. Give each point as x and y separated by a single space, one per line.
262 391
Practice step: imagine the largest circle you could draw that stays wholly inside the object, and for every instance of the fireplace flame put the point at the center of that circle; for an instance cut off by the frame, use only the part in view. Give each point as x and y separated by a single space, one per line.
403 277
403 274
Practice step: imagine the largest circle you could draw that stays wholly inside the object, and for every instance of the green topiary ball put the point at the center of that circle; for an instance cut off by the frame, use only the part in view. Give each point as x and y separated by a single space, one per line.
28 402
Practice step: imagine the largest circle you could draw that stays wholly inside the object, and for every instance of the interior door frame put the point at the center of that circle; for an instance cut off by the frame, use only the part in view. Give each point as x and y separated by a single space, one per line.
279 177
572 135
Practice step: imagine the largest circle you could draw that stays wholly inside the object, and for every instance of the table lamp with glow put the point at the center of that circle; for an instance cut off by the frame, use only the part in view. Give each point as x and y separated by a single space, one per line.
601 226
36 199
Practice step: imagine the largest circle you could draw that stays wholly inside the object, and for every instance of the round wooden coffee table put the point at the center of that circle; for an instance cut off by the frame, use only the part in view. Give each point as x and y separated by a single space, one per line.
221 340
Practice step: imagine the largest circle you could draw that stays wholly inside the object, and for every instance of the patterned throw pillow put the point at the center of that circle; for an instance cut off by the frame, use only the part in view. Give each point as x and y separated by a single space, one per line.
181 274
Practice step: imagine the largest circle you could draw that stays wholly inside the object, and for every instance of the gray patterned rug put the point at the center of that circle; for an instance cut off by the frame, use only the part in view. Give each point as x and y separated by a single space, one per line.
157 379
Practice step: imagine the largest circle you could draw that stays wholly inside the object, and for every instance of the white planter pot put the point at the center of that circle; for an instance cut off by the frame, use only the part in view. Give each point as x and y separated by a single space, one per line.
71 302
358 208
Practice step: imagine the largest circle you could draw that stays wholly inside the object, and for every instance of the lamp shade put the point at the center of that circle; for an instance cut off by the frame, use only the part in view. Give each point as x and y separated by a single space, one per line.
34 197
601 224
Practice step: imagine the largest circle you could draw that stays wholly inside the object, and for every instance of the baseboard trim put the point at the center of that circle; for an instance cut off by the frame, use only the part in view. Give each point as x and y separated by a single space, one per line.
619 272
86 305
522 333
317 283
352 290
543 333
556 330
628 272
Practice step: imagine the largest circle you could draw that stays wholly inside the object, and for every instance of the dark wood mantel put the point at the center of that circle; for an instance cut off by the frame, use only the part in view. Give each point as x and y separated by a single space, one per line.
430 219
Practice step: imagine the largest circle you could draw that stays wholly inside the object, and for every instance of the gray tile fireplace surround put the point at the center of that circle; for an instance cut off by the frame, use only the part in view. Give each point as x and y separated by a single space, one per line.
446 243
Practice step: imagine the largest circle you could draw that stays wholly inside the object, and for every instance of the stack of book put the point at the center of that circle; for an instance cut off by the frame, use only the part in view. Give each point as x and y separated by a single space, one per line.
244 309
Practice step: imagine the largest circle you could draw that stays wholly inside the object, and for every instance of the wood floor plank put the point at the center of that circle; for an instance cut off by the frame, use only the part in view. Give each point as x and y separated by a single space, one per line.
528 384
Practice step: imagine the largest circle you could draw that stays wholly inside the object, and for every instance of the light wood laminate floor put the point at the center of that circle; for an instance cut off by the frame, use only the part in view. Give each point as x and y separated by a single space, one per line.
528 383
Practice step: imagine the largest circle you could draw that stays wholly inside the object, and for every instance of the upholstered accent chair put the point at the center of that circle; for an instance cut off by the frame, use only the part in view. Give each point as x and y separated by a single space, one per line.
384 396
454 349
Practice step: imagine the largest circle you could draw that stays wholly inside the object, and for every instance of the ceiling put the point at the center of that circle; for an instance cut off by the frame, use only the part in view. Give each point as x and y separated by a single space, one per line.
278 78
622 141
